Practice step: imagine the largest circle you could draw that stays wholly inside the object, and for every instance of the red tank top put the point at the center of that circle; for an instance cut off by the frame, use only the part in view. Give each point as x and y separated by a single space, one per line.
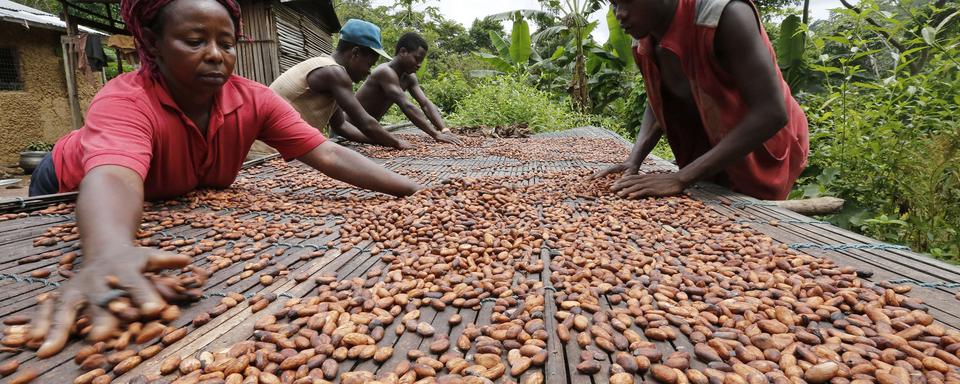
766 173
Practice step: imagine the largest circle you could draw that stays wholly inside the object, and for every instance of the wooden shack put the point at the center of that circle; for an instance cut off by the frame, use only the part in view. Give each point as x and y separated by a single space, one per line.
36 89
279 34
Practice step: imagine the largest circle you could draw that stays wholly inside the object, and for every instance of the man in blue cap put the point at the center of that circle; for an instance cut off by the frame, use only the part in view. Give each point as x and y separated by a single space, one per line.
321 88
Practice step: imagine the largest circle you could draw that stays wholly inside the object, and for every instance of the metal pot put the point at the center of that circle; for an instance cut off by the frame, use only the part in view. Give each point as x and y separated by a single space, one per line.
29 160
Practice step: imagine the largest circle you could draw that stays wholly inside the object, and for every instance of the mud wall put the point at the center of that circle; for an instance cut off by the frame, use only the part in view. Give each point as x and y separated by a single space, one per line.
41 111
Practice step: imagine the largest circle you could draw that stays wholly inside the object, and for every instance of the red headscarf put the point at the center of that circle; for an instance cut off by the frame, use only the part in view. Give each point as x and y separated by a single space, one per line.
138 14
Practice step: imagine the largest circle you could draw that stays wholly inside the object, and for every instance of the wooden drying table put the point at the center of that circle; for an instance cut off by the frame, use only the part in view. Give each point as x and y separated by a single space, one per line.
935 282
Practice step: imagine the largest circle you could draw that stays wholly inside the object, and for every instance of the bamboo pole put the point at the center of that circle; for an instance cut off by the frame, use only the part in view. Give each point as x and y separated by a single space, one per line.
70 66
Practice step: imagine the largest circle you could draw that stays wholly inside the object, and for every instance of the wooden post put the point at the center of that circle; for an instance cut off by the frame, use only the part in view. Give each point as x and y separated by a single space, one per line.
119 60
811 207
70 66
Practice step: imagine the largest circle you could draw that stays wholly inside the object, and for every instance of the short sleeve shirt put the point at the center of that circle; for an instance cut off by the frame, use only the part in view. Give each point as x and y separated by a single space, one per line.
134 123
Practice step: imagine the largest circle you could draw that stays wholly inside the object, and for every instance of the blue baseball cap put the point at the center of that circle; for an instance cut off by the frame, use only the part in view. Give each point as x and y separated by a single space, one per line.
363 33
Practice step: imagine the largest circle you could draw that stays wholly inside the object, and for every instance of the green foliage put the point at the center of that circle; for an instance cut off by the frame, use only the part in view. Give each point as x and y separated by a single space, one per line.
447 90
568 22
619 42
884 128
771 8
515 55
790 50
631 108
446 37
479 34
39 146
505 101
51 6
111 69
520 48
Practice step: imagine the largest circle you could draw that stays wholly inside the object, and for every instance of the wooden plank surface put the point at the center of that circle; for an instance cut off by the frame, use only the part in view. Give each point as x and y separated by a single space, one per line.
16 239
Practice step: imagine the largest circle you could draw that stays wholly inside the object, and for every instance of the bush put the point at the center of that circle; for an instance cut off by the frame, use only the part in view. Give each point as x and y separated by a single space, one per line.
446 91
887 139
628 115
508 101
893 153
39 146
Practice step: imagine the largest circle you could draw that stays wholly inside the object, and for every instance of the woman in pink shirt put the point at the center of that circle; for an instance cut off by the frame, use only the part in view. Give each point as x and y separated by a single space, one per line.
182 122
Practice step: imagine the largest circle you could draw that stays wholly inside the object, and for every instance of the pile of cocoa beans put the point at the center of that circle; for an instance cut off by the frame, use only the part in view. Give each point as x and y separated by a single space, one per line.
133 343
597 150
627 280
512 268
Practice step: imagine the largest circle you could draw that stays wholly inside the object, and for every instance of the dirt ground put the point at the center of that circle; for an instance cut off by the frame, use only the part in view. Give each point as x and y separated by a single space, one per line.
16 190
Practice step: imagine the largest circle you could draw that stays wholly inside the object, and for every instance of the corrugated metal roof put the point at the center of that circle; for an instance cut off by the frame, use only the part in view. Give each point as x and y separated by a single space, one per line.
31 17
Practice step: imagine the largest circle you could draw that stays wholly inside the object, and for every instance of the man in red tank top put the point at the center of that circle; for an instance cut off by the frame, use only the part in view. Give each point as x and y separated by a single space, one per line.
714 88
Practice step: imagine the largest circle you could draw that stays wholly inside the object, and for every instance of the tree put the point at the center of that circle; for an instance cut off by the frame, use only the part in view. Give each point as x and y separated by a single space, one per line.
768 8
790 51
51 6
479 34
573 25
923 20
450 43
455 39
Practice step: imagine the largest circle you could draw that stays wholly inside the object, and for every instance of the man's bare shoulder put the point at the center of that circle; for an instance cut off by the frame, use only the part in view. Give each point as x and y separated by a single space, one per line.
383 74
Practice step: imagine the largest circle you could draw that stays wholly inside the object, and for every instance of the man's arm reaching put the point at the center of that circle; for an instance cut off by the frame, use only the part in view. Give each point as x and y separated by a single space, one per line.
395 94
336 81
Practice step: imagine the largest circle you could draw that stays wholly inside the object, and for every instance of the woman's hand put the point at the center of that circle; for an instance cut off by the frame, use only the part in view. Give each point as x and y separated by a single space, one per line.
350 167
91 290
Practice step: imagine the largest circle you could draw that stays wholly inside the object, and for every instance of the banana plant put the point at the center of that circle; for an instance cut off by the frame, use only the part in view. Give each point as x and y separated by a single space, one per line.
573 25
790 49
513 56
619 41
610 67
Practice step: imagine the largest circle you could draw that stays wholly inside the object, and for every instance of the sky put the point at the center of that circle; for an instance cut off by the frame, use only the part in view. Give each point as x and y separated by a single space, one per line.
465 11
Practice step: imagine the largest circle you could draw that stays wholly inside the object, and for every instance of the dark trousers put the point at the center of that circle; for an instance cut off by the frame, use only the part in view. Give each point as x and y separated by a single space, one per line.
44 181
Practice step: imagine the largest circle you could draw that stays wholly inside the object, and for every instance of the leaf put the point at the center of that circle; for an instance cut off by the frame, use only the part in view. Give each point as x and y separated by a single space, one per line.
790 49
528 13
867 85
558 53
476 73
501 45
947 20
828 176
520 48
811 191
496 61
838 39
588 29
422 72
929 35
619 40
549 32
594 63
824 69
535 56
790 46
603 53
